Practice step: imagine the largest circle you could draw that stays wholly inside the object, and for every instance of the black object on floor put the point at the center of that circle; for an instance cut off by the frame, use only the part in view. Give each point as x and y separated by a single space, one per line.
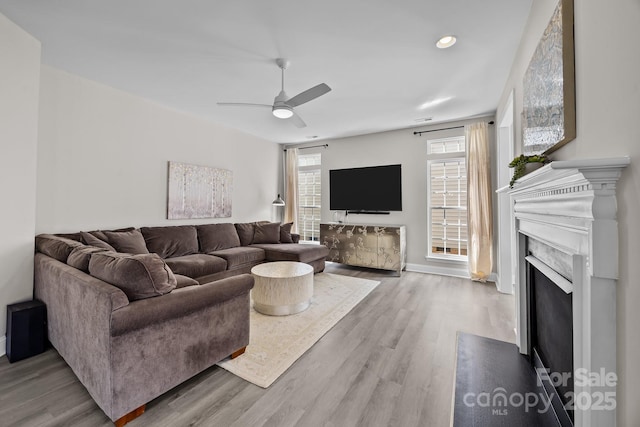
26 329
497 386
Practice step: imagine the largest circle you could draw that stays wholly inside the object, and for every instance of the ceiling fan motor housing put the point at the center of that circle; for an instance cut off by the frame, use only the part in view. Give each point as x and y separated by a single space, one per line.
280 108
283 106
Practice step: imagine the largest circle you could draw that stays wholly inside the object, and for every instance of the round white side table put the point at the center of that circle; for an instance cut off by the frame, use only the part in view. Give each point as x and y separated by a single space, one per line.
282 288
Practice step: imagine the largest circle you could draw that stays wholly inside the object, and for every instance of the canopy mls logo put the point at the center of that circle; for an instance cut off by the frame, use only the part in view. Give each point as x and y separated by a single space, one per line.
501 402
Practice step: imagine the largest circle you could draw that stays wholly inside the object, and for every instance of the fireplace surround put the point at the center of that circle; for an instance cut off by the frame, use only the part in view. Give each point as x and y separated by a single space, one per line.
564 217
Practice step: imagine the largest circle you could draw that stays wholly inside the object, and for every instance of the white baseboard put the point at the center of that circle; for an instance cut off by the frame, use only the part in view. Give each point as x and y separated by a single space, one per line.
499 285
443 271
463 273
3 345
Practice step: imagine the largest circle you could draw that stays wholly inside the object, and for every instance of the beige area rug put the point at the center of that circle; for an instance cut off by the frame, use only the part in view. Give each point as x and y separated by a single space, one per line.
276 342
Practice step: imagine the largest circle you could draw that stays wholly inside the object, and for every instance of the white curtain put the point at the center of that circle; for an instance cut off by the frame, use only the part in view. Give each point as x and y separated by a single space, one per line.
291 188
480 217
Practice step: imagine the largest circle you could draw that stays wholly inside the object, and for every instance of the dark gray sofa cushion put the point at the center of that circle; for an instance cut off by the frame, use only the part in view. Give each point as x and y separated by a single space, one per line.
80 256
285 233
129 242
214 237
184 281
71 236
293 252
56 247
245 232
138 276
196 265
172 241
100 233
240 256
266 233
156 313
92 240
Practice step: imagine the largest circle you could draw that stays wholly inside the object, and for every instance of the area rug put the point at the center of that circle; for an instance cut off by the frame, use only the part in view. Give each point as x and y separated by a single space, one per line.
276 342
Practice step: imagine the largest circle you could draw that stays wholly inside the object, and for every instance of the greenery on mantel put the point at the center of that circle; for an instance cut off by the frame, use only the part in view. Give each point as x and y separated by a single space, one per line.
519 164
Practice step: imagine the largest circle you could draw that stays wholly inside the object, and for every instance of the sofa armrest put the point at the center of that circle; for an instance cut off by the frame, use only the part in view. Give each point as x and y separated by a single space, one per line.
79 309
178 303
295 237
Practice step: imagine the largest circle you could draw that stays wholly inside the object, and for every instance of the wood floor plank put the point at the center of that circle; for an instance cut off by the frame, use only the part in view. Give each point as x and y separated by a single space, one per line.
286 415
390 361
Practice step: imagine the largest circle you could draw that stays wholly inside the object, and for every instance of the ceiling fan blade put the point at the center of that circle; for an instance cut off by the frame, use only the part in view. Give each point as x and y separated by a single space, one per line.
308 95
242 104
297 121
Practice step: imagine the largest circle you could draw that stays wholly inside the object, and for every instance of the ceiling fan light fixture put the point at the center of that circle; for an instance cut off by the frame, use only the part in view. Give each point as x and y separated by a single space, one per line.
282 112
446 41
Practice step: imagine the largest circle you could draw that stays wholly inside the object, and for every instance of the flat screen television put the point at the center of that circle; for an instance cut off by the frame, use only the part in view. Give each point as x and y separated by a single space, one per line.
376 189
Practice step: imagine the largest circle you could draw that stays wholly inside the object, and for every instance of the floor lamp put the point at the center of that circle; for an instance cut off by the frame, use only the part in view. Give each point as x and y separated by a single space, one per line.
278 203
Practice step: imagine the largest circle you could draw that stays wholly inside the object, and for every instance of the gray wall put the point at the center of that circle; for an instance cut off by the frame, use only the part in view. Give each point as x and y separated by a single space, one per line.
19 81
103 153
409 150
607 63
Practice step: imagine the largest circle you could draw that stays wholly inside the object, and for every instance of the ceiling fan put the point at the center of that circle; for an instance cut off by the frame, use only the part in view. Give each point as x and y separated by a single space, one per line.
283 106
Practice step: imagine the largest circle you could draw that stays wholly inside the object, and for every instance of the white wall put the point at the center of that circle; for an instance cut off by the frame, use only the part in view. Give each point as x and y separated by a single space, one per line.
393 147
103 153
19 80
607 63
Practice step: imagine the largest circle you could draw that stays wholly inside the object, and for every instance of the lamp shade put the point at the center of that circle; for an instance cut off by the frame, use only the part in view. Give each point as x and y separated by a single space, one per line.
278 201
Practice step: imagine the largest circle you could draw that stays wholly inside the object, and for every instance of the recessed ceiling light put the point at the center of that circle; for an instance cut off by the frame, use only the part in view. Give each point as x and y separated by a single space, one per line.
312 137
423 119
446 41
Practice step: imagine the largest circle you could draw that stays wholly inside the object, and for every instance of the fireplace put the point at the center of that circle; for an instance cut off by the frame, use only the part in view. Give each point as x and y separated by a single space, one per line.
566 233
550 327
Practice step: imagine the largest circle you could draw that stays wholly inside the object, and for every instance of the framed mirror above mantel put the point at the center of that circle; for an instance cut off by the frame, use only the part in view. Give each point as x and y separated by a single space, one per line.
549 98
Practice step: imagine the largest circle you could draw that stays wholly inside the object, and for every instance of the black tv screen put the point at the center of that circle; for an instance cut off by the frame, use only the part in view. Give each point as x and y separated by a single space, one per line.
377 188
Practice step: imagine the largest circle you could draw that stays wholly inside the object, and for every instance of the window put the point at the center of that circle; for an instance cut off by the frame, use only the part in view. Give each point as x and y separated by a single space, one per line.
447 198
309 194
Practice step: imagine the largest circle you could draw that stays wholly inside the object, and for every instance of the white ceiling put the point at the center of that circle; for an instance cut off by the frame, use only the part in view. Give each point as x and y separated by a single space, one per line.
378 56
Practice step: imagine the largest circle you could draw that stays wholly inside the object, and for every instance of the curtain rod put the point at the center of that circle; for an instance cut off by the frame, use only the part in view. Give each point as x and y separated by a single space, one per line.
436 130
313 146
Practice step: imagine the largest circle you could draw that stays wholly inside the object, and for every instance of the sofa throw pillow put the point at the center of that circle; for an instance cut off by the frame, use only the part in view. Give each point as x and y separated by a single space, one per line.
215 237
100 233
92 240
80 256
129 242
285 233
56 247
171 241
267 233
138 276
245 233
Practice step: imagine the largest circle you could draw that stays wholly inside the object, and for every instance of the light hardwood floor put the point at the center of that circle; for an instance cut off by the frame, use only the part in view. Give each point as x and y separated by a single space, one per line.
389 362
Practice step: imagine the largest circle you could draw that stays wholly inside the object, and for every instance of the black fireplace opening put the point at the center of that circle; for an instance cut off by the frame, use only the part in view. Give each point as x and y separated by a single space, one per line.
551 339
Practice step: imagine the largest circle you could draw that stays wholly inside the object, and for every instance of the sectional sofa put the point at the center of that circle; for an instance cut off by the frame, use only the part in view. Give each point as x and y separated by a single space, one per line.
135 312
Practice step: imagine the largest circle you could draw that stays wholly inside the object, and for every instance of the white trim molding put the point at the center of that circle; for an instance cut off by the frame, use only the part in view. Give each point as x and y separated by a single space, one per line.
3 345
570 207
442 271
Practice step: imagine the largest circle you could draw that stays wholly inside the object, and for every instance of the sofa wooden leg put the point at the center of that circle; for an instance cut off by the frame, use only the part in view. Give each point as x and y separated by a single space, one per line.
130 416
238 352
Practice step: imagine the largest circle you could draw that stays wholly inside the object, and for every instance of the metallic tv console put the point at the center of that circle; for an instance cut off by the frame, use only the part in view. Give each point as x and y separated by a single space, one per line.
366 245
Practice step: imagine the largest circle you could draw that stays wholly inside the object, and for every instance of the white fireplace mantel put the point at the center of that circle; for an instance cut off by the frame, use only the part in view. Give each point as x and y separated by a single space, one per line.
570 207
